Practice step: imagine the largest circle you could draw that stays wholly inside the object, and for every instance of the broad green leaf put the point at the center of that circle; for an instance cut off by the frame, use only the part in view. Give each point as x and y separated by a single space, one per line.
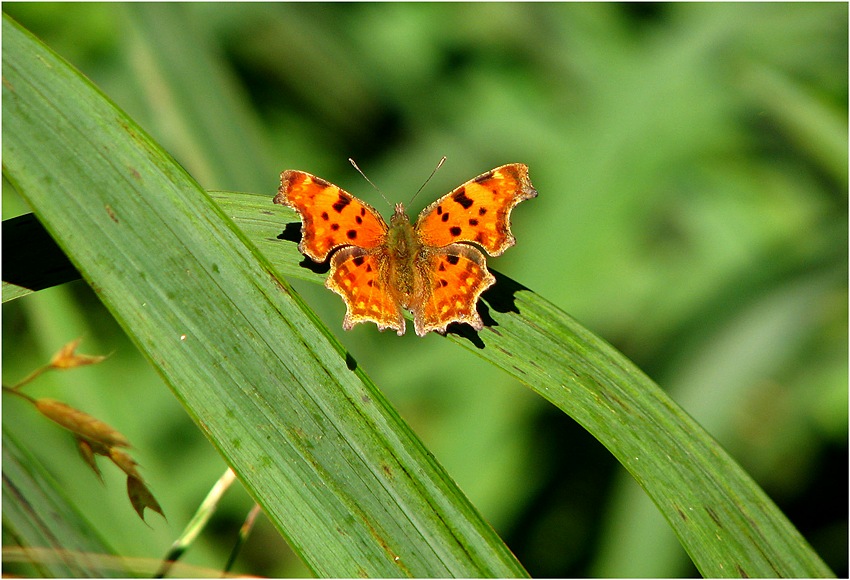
311 438
728 525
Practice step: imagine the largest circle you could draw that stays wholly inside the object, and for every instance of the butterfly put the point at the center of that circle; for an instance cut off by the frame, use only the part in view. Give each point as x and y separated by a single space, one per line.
433 268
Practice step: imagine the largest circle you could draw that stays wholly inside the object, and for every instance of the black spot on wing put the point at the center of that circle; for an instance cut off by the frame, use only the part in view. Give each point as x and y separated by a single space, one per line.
455 231
358 261
453 260
351 234
341 202
461 198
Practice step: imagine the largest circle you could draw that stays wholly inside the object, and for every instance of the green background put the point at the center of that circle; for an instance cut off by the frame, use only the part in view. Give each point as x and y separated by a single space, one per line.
691 161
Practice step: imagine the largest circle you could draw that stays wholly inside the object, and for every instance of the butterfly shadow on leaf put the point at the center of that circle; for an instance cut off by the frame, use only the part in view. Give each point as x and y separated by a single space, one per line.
501 297
292 233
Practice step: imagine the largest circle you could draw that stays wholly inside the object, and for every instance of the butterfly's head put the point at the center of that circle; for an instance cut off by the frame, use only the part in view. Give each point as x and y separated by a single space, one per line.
399 216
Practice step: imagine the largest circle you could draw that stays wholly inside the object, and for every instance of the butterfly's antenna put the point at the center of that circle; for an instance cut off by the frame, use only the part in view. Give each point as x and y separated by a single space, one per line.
360 171
439 164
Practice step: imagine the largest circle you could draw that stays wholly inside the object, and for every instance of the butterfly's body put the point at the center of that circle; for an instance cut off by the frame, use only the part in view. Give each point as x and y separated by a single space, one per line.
431 268
404 249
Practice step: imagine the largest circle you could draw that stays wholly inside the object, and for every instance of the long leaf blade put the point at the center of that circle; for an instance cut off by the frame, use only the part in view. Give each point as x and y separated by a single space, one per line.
312 439
725 521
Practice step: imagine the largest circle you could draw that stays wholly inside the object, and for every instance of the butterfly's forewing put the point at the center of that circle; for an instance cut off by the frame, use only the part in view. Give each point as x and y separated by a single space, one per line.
330 216
478 211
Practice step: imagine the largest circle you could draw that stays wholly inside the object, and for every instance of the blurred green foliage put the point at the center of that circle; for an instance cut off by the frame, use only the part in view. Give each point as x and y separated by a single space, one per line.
692 167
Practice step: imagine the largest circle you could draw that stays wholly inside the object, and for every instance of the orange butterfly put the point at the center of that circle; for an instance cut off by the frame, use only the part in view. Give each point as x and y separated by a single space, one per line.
432 268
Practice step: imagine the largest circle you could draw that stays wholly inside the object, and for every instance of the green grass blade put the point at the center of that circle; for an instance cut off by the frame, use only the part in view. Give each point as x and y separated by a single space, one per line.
728 525
311 438
172 56
36 513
